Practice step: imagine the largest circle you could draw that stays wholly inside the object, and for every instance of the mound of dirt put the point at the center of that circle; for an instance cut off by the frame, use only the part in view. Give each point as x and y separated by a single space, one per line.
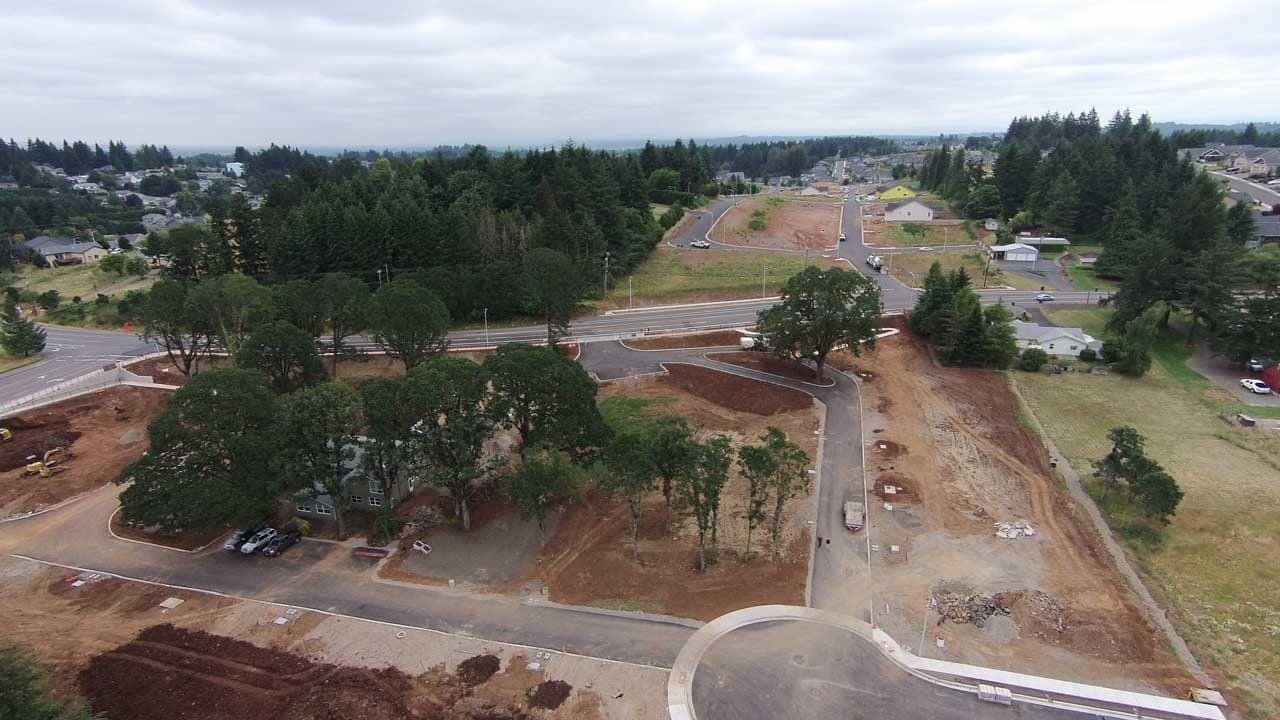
549 694
887 449
718 338
33 435
772 364
735 392
178 673
477 669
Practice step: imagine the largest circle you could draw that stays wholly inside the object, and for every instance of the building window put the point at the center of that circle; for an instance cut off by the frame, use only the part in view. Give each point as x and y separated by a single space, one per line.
357 499
306 508
375 487
322 509
375 501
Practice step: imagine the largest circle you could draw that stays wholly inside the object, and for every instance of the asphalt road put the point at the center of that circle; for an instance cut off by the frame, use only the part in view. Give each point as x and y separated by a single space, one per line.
70 353
803 669
1262 193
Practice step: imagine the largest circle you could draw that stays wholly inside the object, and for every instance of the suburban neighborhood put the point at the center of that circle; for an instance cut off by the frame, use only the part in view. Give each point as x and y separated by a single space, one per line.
712 411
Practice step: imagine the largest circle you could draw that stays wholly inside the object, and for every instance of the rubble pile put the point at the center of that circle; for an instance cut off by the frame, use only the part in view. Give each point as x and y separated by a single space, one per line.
1013 529
423 517
1039 611
973 608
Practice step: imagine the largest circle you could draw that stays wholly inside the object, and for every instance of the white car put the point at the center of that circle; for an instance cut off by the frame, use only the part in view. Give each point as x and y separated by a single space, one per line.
842 237
700 244
258 541
1255 386
1044 297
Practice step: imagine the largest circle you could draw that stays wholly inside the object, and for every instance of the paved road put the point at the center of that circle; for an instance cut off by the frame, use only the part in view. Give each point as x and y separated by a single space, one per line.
802 669
1262 193
324 576
70 353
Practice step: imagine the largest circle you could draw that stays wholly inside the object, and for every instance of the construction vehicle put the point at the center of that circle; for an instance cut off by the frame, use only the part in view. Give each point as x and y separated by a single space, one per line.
51 463
855 516
6 434
752 340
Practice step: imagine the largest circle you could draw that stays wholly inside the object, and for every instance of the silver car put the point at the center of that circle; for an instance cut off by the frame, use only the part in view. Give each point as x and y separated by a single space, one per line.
258 541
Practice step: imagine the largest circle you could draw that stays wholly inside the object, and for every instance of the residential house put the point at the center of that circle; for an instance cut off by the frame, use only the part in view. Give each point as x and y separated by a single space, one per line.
362 492
1013 252
55 251
1268 229
900 192
1265 164
1060 342
909 211
234 169
154 222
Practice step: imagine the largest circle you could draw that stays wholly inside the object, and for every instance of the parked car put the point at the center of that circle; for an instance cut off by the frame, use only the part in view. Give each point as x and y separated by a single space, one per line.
842 237
1044 297
1259 364
239 537
1255 386
281 542
258 541
700 244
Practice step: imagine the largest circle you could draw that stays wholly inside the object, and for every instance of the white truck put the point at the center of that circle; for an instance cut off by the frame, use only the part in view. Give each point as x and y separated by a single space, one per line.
875 262
752 340
855 516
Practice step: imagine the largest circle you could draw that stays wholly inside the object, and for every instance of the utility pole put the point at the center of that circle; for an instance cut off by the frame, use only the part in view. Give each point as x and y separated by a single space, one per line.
606 273
486 326
628 291
764 284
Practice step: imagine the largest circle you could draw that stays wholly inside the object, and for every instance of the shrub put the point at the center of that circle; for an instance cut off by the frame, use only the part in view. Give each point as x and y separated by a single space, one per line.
101 299
75 299
386 527
671 216
1112 351
49 299
1088 355
1033 360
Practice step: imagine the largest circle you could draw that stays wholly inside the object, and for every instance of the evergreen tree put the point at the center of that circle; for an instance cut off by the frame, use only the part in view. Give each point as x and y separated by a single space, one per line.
19 335
1061 204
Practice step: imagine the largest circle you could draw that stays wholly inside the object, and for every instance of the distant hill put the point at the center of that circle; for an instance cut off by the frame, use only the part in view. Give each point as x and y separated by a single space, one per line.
1169 128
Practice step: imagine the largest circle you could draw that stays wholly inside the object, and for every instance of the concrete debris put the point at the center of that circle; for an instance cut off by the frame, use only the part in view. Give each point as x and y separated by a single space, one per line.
421 518
1014 529
974 609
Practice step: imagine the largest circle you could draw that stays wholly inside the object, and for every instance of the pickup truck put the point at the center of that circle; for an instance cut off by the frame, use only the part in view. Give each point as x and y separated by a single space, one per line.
855 516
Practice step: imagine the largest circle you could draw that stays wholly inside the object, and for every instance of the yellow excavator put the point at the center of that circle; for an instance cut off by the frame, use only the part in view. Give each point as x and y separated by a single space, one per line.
52 462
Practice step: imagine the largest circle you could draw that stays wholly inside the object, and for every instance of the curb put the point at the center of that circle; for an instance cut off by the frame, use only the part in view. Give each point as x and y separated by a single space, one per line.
685 306
625 614
202 548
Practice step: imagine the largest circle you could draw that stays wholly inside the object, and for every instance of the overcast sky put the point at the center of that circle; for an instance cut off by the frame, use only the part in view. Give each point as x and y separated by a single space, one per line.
378 73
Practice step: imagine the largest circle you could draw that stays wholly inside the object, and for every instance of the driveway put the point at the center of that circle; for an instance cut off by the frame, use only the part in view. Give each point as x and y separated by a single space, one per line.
1226 375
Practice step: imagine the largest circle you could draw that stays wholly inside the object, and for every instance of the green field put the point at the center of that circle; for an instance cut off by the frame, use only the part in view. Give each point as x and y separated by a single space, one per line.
1215 567
85 281
673 275
12 362
903 265
933 235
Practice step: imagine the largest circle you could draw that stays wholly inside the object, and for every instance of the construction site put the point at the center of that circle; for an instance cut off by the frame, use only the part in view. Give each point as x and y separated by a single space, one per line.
977 553
778 224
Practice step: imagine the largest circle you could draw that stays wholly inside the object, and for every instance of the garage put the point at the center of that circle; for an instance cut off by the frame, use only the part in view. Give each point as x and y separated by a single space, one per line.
1013 252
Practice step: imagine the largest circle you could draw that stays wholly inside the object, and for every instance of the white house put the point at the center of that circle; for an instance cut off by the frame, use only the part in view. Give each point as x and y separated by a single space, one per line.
1013 252
234 168
908 211
1265 163
1061 342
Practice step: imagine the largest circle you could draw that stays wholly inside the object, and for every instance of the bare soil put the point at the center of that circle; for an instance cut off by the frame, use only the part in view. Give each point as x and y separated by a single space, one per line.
589 561
950 441
772 364
734 392
718 338
103 433
792 225
180 541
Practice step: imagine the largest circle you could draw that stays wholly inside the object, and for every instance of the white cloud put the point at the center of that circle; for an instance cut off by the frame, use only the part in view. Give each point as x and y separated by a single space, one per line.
391 73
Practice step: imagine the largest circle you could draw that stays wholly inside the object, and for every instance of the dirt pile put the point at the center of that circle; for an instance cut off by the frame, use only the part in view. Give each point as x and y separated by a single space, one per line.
172 672
735 392
1038 613
477 669
549 694
33 435
973 608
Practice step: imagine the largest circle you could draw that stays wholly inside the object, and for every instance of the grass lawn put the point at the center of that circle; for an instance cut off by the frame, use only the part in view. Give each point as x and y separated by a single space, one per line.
673 275
13 362
1214 569
972 261
658 210
85 281
1084 277
933 235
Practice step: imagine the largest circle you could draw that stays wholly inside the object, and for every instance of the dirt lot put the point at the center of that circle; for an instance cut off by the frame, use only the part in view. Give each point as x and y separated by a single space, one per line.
104 432
221 659
765 362
734 392
788 224
588 560
952 440
718 338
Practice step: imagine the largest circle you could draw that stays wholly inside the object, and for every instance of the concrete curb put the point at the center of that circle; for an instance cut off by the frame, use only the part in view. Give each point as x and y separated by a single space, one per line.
202 548
1088 700
685 306
627 614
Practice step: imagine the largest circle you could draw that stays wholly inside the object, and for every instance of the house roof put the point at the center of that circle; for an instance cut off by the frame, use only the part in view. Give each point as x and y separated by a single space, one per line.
895 205
1268 226
1041 240
1014 246
1041 334
46 245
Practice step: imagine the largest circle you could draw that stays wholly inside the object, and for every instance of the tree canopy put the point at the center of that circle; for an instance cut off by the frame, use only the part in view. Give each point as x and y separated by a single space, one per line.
821 310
